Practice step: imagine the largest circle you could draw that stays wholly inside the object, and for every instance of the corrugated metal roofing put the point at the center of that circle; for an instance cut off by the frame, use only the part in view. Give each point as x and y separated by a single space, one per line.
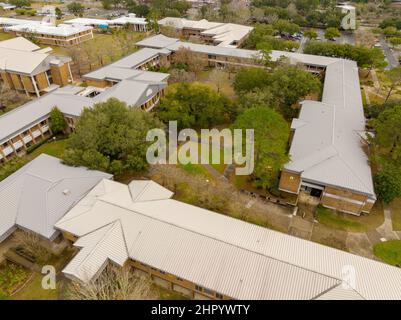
36 196
220 253
132 92
19 43
335 155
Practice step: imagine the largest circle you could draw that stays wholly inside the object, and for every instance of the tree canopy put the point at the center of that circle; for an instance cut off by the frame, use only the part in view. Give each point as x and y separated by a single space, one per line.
194 105
331 33
279 89
111 137
75 8
365 57
57 121
271 133
387 153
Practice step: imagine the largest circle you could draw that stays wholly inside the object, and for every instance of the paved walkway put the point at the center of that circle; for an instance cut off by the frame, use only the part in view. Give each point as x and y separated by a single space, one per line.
361 243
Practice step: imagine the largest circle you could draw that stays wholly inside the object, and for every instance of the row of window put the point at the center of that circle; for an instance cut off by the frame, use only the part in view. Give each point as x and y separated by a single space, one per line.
209 292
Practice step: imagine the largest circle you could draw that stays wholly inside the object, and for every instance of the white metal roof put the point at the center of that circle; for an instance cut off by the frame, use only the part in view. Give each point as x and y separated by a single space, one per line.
158 41
334 156
41 192
225 34
19 43
223 254
125 68
129 19
30 26
68 100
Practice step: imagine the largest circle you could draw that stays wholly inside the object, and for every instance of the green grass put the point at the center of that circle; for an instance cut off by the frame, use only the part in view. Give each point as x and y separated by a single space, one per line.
5 36
395 208
12 276
195 169
52 148
34 291
389 252
347 222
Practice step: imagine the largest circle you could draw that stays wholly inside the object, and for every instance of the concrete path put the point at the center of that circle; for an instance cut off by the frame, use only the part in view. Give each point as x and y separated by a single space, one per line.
392 61
386 229
361 243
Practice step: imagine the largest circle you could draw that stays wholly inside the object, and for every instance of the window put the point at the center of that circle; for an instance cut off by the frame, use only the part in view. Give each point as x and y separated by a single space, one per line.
49 76
207 291
219 296
198 288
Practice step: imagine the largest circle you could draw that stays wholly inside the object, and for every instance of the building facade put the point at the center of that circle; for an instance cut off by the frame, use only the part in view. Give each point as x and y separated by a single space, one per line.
63 35
29 69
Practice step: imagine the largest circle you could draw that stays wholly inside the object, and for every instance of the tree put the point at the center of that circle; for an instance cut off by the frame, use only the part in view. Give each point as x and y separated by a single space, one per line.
285 26
395 41
76 8
394 75
59 13
311 34
111 137
57 121
388 183
387 141
218 78
332 33
20 3
271 133
365 57
290 84
390 31
194 105
114 283
185 58
107 4
250 79
141 10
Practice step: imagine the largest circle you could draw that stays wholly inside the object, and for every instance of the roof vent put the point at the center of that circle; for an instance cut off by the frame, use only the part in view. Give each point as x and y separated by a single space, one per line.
66 192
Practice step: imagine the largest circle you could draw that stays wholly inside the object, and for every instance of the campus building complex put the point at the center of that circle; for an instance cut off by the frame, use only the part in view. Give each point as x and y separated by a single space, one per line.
328 159
36 196
215 33
206 255
29 124
27 68
47 33
131 21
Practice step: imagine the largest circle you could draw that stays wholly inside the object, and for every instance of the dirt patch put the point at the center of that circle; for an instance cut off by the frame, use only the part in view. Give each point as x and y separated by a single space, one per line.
329 237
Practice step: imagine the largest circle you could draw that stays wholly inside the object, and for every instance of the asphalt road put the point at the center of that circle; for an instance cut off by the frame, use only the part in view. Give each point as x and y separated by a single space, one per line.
392 62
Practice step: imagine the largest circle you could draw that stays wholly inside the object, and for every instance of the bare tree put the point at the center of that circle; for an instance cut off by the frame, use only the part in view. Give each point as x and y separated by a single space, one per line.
218 78
114 283
32 244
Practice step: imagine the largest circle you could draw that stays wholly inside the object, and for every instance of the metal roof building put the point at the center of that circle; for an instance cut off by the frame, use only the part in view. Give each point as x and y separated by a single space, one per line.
36 196
71 100
334 156
223 34
140 221
19 55
327 148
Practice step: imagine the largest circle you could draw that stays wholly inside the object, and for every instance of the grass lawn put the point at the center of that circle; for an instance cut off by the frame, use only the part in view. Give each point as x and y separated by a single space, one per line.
52 148
389 252
34 291
12 276
196 169
347 222
395 208
6 36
